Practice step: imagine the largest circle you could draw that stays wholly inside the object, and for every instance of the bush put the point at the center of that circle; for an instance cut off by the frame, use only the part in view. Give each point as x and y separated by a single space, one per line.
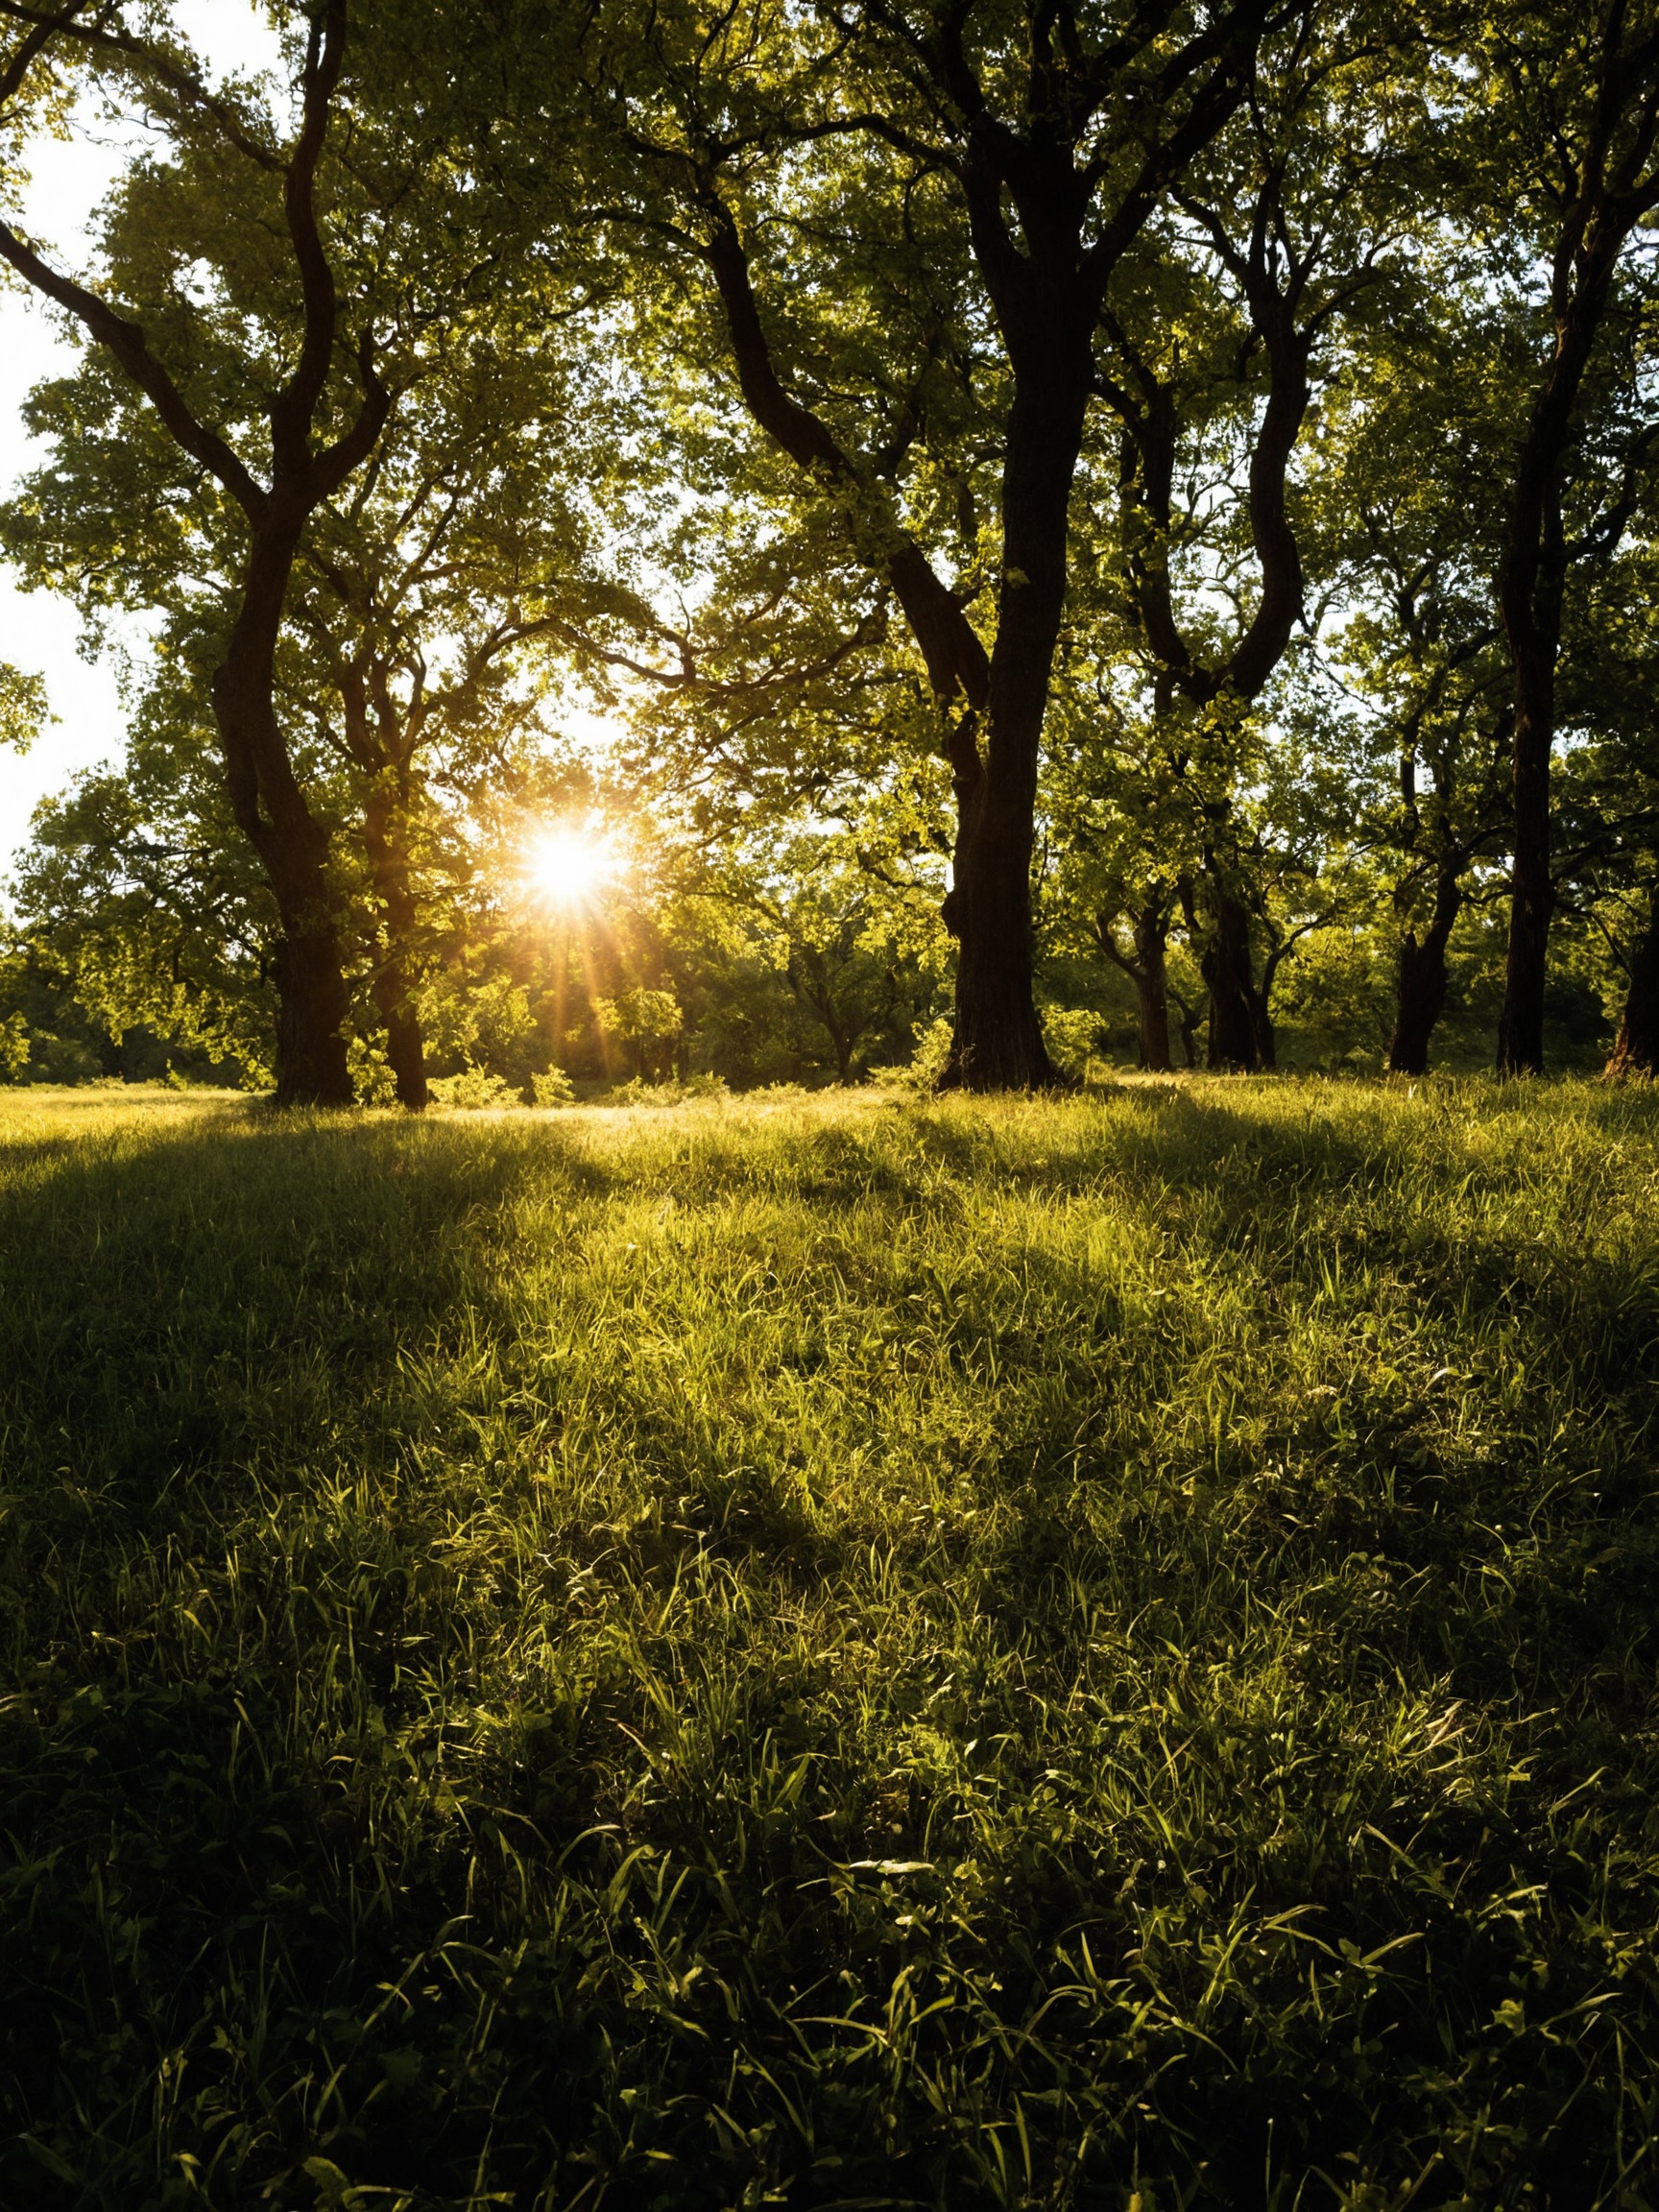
371 1077
474 1088
673 1093
1071 1035
552 1088
926 1063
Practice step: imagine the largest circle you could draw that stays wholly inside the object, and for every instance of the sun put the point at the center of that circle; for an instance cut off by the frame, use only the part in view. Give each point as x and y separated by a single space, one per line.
567 863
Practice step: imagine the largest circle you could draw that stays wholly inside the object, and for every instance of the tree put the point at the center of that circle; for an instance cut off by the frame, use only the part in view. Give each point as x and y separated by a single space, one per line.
151 920
1016 150
1577 105
1282 237
1416 436
463 548
228 262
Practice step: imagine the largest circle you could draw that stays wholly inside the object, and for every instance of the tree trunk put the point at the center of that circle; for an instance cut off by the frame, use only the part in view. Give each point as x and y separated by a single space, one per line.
1423 980
385 839
1636 1052
271 810
1261 1031
1615 192
1152 986
997 1044
1227 969
1532 893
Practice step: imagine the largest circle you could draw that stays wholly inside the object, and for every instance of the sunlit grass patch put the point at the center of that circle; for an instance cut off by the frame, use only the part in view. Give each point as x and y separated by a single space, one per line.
872 1651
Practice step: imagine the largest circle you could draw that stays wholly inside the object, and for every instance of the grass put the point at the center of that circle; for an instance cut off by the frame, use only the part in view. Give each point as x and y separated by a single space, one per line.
833 1653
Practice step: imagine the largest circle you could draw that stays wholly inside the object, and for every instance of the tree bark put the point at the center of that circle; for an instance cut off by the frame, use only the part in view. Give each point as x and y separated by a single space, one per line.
1152 987
1612 187
1227 969
1636 1052
385 841
1533 622
1422 995
270 810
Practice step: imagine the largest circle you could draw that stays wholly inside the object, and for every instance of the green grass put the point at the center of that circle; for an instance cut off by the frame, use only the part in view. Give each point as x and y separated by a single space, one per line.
833 1653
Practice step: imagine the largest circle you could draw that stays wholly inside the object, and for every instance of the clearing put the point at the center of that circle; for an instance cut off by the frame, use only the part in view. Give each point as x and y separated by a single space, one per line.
833 1650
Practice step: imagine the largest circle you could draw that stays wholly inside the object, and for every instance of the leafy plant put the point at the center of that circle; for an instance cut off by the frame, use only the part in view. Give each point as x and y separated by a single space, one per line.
473 1090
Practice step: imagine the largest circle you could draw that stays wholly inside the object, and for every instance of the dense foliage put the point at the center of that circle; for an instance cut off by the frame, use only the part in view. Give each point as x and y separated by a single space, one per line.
1126 529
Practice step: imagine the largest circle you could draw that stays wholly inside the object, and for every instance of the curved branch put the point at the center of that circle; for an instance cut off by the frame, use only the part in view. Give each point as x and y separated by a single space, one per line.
128 341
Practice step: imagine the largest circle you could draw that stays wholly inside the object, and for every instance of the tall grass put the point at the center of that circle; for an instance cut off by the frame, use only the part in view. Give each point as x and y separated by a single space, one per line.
834 1652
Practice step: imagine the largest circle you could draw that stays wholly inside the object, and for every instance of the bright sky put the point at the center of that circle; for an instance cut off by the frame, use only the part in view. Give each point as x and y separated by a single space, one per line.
38 631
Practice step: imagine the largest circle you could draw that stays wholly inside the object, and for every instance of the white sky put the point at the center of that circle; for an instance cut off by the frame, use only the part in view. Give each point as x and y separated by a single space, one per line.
38 630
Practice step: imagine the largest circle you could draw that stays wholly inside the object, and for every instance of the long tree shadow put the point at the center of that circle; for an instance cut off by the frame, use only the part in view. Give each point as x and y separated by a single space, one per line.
226 1295
289 1853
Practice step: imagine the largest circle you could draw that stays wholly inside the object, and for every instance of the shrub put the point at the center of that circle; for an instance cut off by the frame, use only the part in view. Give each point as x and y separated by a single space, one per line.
552 1088
371 1077
1071 1035
927 1061
474 1088
674 1092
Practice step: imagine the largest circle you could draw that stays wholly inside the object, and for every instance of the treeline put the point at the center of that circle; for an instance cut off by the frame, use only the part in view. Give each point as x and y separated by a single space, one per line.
1123 527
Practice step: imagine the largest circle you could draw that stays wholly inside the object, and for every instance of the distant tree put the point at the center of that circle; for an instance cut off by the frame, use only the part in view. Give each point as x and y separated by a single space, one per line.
148 915
1415 438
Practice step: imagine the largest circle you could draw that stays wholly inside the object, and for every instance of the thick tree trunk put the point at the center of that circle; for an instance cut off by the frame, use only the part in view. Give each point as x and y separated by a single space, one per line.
1226 965
271 810
311 1006
1636 1052
999 1044
997 1040
384 831
1423 980
1152 987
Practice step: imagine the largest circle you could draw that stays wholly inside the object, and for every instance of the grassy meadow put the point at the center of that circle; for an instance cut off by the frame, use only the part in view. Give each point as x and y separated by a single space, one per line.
832 1652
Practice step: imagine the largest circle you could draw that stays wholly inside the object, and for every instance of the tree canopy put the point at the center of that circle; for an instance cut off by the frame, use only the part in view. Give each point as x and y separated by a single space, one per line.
1119 530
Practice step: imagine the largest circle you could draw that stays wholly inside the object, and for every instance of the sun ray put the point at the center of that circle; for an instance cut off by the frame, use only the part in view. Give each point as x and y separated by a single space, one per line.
566 863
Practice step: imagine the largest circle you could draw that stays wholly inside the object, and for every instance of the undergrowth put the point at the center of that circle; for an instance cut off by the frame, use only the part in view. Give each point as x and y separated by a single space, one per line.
832 1652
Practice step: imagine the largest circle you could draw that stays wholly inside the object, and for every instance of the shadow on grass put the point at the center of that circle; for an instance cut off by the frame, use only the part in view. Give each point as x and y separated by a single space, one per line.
382 1822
